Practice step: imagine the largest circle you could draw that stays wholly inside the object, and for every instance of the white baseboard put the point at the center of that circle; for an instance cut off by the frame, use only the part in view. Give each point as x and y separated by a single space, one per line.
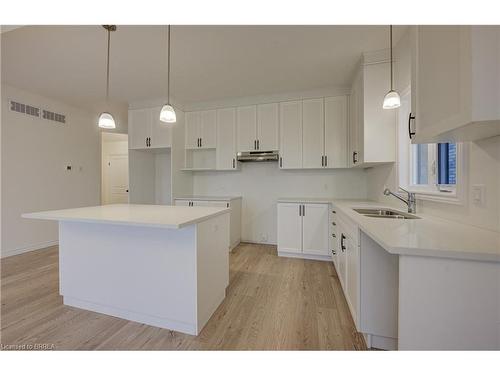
324 258
26 249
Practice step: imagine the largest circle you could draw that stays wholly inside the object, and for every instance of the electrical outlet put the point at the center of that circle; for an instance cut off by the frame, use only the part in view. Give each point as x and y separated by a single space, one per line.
478 194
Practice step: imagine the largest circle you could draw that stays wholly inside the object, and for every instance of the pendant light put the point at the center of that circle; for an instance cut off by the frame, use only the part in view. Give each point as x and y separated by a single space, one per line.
167 113
392 99
106 119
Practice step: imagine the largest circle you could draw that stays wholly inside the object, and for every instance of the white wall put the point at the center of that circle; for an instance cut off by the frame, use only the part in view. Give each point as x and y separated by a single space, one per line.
34 156
261 184
111 144
483 168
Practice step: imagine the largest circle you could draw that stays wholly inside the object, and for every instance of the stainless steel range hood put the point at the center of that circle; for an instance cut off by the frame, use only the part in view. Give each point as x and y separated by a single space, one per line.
248 156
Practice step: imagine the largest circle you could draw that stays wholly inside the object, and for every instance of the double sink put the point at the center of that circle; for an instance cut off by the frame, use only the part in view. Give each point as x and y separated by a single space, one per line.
384 213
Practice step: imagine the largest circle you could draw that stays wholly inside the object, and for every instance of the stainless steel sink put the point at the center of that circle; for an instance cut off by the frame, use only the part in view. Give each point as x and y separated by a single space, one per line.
384 213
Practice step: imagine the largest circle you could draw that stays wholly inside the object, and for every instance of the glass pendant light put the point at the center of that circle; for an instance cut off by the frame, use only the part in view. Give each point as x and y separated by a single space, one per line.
167 113
106 120
392 99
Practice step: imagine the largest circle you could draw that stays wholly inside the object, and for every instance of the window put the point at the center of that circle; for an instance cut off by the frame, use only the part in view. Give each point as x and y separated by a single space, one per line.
433 170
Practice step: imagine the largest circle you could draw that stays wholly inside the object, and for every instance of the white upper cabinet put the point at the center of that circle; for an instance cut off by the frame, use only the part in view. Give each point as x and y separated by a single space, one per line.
246 120
291 134
268 127
193 122
139 128
146 131
313 133
201 129
336 132
258 127
161 132
226 139
208 129
372 128
455 83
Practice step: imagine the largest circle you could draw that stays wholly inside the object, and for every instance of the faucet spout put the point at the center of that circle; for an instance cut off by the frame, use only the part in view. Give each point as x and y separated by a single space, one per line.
411 202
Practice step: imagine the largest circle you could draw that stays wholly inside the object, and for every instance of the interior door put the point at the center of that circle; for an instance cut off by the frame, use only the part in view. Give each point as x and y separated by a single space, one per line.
225 153
161 132
268 126
336 132
193 123
117 179
208 128
139 124
313 121
289 228
291 134
246 124
315 229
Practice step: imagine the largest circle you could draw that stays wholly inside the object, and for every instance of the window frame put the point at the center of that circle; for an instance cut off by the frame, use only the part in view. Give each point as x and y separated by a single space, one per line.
453 194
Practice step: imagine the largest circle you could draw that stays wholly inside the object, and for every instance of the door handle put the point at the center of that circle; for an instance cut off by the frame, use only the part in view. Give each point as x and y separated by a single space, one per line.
233 163
342 238
322 160
326 160
258 144
201 142
255 144
354 158
300 210
410 133
303 210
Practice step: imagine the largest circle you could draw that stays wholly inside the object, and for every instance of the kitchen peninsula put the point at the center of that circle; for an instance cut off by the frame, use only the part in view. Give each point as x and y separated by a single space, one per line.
165 266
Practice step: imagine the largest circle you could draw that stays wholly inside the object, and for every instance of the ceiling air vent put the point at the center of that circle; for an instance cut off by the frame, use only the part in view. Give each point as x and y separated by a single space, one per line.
48 115
24 108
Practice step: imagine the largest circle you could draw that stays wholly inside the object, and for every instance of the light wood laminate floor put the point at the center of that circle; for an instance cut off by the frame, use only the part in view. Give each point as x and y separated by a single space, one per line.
271 303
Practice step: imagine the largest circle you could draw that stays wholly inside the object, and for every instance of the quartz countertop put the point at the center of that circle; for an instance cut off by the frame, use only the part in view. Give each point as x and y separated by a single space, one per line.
170 217
208 198
427 236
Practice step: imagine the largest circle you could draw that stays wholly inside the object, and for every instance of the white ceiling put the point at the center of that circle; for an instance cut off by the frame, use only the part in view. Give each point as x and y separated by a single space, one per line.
208 62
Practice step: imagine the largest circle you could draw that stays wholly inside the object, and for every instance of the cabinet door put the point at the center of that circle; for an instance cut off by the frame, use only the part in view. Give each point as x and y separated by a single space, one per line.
208 129
139 125
268 127
193 123
291 134
246 133
352 274
336 132
356 120
225 152
289 228
312 133
315 229
181 202
161 132
441 65
341 266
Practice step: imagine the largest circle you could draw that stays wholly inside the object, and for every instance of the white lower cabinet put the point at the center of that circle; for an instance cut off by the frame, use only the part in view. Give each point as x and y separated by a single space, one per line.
234 204
303 230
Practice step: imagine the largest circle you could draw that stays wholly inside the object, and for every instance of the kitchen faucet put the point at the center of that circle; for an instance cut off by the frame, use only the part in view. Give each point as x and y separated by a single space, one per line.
411 201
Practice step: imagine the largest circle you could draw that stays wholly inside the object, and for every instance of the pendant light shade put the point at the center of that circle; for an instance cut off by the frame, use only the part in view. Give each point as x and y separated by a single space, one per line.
106 119
167 113
391 99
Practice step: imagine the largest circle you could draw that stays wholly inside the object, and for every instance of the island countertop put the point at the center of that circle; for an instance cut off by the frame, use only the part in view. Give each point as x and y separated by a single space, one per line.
169 217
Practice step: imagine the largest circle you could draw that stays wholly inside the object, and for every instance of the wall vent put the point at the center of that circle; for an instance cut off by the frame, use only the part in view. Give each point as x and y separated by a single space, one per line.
48 115
24 108
35 112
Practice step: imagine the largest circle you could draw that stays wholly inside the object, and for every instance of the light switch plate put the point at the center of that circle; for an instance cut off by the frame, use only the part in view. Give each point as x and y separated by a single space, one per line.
478 194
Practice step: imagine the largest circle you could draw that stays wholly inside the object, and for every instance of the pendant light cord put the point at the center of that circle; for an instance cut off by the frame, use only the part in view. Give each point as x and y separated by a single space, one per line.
107 68
168 67
391 54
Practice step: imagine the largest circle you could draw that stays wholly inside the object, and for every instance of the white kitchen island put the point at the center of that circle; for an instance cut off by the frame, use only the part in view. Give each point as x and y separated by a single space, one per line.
166 266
